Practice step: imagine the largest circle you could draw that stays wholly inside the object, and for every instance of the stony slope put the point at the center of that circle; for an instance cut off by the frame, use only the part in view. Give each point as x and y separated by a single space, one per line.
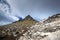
17 28
43 31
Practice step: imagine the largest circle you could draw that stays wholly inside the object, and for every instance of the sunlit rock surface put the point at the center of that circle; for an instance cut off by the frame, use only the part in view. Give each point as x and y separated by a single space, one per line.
41 31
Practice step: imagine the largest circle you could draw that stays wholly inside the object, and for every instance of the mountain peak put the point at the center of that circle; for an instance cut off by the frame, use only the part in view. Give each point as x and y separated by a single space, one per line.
28 17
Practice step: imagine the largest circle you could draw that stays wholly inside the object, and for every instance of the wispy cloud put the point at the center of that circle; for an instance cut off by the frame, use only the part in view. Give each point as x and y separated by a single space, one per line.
6 18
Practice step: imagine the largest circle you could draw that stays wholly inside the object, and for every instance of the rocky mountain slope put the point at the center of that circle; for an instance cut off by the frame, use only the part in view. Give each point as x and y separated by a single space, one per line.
16 28
43 31
30 29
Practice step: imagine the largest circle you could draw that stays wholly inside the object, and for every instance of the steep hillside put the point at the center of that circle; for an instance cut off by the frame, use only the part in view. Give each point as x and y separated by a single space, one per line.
17 28
44 31
41 31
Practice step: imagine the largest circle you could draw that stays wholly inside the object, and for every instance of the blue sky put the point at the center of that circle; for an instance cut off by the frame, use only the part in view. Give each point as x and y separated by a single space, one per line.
38 9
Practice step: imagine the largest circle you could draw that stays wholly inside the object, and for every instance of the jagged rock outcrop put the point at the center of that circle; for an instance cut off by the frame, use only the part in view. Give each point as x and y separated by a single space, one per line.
53 18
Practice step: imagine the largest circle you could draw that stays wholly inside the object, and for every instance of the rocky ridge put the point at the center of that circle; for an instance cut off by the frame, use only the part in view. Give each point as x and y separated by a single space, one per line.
40 31
16 29
53 18
43 31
